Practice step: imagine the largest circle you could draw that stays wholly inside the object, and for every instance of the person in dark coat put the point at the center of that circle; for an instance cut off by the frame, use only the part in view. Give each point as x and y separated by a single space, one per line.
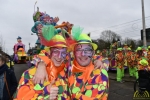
8 81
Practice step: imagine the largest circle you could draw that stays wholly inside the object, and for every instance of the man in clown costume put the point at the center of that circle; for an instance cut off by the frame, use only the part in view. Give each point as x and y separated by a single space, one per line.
139 55
55 87
120 64
85 83
131 63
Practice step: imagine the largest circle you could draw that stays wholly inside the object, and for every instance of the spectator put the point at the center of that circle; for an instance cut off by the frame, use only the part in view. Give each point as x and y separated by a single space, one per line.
8 81
9 62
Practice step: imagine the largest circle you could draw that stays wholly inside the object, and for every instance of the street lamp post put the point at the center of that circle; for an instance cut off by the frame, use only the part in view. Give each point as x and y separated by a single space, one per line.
143 21
29 45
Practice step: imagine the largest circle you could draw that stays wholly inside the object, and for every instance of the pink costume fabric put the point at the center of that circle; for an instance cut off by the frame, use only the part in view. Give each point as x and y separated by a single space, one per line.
17 45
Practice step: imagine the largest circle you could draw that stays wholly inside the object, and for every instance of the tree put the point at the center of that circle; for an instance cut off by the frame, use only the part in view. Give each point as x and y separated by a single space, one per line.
127 41
139 43
2 44
101 44
133 45
109 36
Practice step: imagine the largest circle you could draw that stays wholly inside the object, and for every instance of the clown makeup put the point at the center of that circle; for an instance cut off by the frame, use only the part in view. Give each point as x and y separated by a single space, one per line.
47 19
58 55
61 53
84 50
83 54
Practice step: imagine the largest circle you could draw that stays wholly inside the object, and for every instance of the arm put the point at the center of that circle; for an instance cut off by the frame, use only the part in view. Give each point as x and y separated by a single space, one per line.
14 83
40 62
27 90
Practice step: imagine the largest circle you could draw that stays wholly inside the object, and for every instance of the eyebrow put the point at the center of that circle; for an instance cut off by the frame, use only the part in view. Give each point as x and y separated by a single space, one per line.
90 45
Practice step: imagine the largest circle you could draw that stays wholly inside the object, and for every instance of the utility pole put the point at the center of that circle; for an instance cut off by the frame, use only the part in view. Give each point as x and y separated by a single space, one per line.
143 21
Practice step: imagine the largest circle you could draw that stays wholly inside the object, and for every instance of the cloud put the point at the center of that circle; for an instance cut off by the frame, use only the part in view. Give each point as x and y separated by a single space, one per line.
16 17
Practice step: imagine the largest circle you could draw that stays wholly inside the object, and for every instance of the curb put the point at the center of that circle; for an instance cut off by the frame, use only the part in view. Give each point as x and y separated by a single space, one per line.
126 80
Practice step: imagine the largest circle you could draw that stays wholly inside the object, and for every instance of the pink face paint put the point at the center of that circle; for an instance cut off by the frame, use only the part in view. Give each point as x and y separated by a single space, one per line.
61 53
84 50
83 53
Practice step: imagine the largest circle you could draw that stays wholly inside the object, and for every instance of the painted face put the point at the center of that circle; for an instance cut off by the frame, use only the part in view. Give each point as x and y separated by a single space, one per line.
145 53
58 55
19 40
47 19
83 54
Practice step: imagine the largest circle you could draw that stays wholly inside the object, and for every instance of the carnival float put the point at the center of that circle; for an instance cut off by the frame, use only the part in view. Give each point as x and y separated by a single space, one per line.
20 55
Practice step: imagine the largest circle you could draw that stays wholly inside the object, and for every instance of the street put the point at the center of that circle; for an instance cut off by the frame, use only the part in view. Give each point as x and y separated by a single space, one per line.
118 91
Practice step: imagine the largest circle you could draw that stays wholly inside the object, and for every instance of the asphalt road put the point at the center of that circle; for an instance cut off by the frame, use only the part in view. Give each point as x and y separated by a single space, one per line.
117 91
19 69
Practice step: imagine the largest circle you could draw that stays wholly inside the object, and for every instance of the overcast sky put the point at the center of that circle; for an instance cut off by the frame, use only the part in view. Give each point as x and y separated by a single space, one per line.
94 16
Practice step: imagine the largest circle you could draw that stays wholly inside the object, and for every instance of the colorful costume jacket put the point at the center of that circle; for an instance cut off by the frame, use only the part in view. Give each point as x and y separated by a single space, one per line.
131 59
28 91
138 58
119 60
95 88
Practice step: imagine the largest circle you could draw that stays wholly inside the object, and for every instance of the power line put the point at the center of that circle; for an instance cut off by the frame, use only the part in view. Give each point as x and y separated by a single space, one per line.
126 32
122 23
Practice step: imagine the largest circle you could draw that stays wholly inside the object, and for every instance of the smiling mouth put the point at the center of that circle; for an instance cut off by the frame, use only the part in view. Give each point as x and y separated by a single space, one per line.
83 59
59 61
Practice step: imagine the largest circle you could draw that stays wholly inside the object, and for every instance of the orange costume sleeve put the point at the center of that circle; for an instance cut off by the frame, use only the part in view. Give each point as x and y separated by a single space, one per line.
27 90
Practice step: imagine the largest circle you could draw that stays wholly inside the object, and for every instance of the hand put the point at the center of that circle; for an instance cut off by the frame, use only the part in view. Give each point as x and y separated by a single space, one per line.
56 19
40 74
98 64
53 91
